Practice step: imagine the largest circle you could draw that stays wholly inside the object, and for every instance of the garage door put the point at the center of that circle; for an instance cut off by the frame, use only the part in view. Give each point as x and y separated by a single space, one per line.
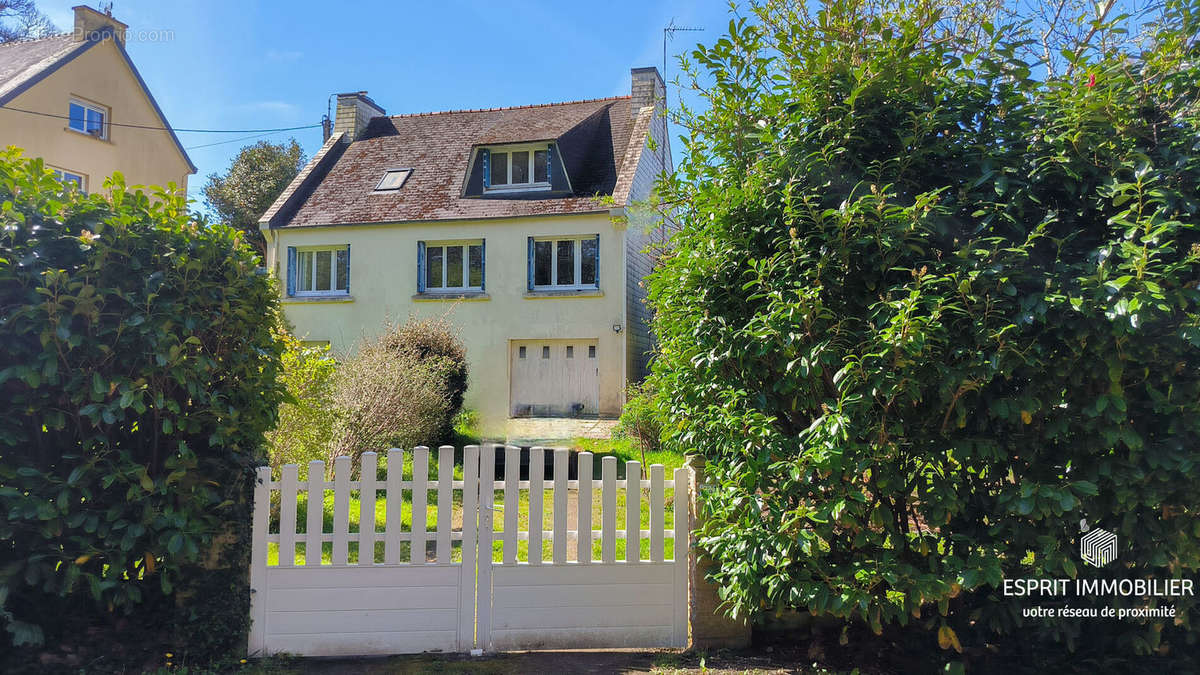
554 378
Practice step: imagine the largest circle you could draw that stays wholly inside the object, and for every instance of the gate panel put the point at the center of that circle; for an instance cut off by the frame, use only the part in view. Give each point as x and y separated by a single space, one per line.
570 586
398 596
539 597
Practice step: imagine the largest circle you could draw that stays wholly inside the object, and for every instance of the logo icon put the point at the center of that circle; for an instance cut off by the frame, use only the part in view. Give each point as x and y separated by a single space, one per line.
1098 547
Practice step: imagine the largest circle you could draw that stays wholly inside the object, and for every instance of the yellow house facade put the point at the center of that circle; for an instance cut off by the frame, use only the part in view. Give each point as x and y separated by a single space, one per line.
522 226
78 102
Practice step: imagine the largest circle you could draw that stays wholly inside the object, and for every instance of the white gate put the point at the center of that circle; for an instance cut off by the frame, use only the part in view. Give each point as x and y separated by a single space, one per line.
438 575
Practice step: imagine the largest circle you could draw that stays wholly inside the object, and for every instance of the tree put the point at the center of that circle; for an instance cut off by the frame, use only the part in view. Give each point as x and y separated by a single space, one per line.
256 177
21 20
139 374
930 308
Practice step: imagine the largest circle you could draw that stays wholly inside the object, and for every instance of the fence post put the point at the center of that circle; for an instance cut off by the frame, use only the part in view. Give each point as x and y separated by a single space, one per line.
711 628
258 562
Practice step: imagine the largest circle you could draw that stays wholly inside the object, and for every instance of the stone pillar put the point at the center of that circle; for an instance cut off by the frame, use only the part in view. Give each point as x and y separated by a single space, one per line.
710 627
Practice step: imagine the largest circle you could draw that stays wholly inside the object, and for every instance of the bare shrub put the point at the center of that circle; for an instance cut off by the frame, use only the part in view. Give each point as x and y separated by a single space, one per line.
396 390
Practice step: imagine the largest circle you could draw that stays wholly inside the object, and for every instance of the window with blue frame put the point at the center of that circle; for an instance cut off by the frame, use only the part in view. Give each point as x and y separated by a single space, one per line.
88 118
451 266
564 263
318 270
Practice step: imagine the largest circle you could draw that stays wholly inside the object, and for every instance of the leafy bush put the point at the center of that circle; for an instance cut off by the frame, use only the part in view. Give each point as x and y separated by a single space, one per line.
435 338
138 378
927 312
395 391
641 419
308 417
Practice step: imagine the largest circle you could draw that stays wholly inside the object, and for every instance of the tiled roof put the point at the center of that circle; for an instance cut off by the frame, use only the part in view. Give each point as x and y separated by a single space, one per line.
23 60
592 136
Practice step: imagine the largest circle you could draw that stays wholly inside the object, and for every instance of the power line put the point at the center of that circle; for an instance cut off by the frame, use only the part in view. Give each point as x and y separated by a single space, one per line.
234 140
146 126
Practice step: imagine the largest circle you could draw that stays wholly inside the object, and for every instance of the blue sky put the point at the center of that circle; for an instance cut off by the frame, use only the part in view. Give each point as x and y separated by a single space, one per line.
253 65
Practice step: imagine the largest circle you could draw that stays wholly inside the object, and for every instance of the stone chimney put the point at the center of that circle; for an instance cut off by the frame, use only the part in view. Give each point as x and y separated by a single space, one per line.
354 111
89 23
648 89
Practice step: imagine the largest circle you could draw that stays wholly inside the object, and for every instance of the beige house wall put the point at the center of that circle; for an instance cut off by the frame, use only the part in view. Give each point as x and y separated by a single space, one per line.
383 281
99 76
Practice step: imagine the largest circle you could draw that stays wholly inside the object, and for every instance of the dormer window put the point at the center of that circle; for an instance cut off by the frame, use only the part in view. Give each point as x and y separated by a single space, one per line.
523 167
393 179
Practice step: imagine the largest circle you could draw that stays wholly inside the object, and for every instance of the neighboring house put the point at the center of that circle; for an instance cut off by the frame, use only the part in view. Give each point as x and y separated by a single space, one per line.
65 97
522 224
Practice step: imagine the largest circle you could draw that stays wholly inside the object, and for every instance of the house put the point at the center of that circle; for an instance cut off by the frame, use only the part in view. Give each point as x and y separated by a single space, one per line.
77 101
521 224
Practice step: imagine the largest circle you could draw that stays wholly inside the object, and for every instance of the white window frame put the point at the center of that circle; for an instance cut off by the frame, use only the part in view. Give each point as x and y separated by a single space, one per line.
64 176
554 285
466 245
519 187
94 107
333 270
407 174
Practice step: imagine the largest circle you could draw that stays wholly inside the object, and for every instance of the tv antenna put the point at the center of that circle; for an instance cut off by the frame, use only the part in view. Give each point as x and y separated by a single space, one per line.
669 32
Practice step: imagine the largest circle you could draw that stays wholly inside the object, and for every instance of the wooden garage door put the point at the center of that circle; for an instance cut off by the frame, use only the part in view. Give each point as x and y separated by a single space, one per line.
554 378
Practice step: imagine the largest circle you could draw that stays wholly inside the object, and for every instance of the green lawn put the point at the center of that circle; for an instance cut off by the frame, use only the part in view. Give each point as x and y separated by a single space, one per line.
622 449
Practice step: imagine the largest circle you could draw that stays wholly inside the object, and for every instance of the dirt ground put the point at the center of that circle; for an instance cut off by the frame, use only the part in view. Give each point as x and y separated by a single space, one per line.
756 662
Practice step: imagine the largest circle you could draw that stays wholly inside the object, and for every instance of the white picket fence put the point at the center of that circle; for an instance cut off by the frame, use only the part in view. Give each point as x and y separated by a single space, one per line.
381 590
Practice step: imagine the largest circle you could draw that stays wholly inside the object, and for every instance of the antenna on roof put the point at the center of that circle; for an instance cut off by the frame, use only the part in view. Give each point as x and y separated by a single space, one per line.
669 32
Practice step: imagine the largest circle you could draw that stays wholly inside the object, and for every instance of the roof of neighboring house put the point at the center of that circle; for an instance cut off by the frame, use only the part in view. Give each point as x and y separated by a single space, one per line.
593 137
24 63
23 60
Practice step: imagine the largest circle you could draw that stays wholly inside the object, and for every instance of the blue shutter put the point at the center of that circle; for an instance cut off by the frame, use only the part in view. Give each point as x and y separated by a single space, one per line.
530 266
550 163
347 269
291 271
486 155
482 265
420 267
597 261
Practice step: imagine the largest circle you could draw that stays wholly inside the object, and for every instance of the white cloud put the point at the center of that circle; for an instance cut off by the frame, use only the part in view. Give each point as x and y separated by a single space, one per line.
279 108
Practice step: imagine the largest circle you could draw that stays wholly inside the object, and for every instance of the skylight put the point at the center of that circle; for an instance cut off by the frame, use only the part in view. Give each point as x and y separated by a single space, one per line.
393 179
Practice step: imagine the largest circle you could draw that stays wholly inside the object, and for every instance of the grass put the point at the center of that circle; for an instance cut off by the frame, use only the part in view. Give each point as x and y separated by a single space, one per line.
623 449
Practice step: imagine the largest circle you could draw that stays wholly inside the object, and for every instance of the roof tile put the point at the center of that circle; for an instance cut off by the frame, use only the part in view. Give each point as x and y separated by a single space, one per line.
592 136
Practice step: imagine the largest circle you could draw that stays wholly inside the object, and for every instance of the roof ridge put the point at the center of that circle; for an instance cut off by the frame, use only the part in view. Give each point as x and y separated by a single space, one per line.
511 107
37 39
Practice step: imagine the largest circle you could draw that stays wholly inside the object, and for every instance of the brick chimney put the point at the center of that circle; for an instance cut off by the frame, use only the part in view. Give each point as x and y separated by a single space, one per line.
89 22
354 111
648 89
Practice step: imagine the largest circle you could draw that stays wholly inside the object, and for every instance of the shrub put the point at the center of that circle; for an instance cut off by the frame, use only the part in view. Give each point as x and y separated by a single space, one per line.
641 419
308 417
138 378
435 338
388 394
926 313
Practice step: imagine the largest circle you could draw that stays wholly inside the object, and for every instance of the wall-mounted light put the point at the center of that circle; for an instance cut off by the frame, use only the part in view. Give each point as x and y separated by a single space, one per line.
616 328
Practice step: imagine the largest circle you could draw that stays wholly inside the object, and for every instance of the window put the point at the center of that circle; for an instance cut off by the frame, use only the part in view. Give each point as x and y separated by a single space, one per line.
319 271
521 352
591 351
69 177
88 118
517 168
564 263
393 179
570 352
545 352
450 266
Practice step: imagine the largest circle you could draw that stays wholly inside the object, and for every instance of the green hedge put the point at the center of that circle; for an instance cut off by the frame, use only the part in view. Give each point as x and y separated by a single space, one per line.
928 310
139 375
